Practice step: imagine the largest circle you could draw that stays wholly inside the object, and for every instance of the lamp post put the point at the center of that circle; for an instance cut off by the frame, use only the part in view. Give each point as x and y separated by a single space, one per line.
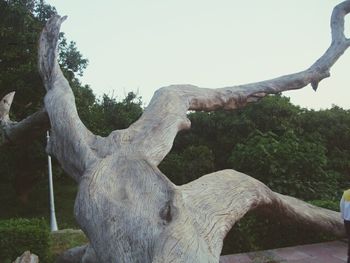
53 222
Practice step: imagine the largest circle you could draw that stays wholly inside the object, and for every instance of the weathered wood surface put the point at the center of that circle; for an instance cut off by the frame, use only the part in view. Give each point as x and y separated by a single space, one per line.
24 131
128 209
27 257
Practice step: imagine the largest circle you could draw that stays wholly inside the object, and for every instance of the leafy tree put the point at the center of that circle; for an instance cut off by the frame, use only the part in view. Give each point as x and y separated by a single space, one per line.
70 59
292 148
220 131
273 114
20 24
110 114
287 163
332 124
173 167
189 165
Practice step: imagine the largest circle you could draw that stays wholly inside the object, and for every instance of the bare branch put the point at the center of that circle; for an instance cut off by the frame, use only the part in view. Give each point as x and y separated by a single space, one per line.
338 21
26 130
218 200
166 114
297 211
70 139
23 131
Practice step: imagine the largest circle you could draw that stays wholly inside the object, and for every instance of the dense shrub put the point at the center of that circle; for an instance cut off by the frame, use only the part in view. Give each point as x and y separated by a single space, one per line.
288 164
19 235
329 204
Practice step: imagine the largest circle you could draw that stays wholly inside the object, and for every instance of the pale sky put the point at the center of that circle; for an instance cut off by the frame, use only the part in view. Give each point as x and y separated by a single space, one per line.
142 45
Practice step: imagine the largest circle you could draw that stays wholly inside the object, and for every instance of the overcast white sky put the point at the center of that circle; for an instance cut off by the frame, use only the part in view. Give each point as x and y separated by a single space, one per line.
141 45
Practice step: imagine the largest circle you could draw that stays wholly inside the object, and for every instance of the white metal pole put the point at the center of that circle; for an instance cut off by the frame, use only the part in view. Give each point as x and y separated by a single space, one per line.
53 222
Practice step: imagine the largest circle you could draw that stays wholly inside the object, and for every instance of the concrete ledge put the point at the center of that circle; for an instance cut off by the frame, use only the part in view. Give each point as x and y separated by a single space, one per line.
328 252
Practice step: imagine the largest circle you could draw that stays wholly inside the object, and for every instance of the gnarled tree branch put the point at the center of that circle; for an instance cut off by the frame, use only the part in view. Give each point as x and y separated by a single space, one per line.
211 205
218 200
166 113
70 139
128 209
24 131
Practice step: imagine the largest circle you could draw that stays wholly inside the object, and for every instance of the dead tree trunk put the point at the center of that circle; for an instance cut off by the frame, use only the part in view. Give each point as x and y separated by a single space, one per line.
128 209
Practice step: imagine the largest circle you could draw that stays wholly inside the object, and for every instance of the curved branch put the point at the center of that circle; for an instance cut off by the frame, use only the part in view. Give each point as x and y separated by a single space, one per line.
5 105
166 114
70 140
338 21
23 131
218 200
26 130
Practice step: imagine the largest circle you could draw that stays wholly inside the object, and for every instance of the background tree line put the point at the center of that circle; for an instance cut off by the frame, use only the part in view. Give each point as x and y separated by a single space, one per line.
300 152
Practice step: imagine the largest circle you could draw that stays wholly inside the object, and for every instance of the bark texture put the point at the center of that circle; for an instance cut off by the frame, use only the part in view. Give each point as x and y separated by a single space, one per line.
12 132
27 257
128 209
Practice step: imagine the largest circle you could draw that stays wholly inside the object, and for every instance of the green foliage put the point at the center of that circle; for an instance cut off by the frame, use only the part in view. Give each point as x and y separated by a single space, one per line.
19 31
332 124
191 164
172 166
70 59
328 204
19 235
20 24
118 115
198 161
65 239
286 147
287 164
37 204
272 114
